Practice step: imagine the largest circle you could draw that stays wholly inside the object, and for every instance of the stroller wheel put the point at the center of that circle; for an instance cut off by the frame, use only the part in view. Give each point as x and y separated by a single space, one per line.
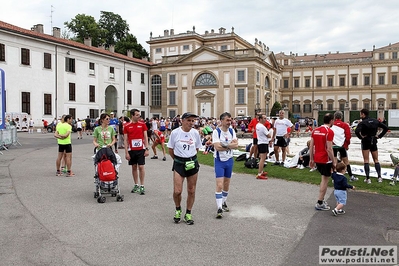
101 199
96 194
113 195
119 198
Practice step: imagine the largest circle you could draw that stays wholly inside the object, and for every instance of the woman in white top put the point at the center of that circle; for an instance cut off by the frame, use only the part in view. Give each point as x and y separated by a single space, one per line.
183 145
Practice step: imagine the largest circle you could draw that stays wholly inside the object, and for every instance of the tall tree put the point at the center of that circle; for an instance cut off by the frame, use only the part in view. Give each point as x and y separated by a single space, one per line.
275 109
130 43
85 26
116 28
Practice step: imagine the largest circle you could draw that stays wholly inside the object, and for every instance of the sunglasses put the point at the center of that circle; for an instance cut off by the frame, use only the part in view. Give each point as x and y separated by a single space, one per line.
106 118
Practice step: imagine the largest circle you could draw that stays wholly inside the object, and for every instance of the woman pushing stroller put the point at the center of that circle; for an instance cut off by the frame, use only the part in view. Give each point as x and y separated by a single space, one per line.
104 134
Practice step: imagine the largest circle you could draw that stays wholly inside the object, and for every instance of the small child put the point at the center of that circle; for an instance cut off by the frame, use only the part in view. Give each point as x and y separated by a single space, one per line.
340 186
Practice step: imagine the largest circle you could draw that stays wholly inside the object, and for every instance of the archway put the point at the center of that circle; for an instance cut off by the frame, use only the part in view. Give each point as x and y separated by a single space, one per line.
111 97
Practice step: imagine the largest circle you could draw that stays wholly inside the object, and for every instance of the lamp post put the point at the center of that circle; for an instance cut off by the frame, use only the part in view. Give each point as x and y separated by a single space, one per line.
257 108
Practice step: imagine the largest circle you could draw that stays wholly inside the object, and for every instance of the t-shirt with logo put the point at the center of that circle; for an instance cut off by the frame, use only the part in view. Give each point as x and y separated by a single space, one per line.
184 144
281 126
320 137
135 135
225 137
160 135
103 136
113 122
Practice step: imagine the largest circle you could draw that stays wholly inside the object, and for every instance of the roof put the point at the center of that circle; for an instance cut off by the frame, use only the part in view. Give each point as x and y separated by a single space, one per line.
42 36
329 56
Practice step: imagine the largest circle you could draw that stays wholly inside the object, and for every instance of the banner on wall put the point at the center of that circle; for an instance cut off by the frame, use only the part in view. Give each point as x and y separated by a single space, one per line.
2 99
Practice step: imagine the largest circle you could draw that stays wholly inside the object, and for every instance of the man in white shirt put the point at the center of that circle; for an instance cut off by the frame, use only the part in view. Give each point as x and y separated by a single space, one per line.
224 139
279 136
263 145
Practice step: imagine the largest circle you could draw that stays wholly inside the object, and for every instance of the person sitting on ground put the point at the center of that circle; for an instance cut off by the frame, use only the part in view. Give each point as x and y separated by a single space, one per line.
304 157
208 144
340 186
159 138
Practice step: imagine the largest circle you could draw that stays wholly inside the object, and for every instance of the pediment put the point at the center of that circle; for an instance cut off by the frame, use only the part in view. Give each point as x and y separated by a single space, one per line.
204 93
203 54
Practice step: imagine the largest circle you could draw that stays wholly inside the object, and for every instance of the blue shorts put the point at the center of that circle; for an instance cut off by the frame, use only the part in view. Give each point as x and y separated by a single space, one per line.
340 196
224 169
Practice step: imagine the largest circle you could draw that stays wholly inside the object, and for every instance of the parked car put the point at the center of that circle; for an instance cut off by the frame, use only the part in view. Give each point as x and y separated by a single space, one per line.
246 119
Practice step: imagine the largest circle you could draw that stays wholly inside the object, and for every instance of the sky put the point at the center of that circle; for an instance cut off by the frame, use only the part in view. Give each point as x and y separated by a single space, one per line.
298 26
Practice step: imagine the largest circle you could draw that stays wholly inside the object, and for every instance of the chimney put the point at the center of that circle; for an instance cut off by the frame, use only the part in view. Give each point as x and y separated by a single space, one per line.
130 53
87 41
206 32
337 52
56 32
329 52
364 50
166 33
222 30
212 31
305 54
112 48
145 58
38 28
172 32
102 46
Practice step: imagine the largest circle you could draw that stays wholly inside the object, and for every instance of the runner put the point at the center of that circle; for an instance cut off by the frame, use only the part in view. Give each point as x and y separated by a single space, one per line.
159 138
263 145
280 135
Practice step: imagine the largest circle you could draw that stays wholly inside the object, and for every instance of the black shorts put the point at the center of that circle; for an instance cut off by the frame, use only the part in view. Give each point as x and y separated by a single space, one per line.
67 148
263 148
78 129
137 157
88 127
369 144
324 168
341 150
179 166
254 141
280 142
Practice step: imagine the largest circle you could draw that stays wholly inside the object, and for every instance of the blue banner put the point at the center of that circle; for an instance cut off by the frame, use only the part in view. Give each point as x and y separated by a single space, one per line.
2 99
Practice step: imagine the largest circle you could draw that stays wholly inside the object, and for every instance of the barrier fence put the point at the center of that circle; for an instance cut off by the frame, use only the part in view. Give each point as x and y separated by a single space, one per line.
8 137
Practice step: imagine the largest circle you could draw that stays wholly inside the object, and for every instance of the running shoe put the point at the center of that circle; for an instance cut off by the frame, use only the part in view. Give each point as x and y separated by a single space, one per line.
264 177
380 180
335 213
219 214
69 173
276 163
58 173
392 183
367 180
322 207
136 189
164 159
142 190
225 208
354 178
313 169
188 219
341 211
154 157
177 217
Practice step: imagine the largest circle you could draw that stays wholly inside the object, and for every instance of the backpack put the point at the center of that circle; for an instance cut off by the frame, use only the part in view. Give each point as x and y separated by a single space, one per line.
241 157
106 170
220 131
251 163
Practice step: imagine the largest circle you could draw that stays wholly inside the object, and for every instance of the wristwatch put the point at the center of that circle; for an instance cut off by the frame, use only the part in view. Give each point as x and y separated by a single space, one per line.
147 149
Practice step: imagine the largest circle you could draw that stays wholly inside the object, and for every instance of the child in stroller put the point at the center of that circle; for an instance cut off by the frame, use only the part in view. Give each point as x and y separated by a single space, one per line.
106 175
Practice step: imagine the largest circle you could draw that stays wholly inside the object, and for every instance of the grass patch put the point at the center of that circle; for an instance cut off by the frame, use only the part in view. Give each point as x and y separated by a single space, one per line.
304 176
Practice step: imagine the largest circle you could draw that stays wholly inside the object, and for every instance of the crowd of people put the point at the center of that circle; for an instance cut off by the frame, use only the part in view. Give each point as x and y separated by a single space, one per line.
326 150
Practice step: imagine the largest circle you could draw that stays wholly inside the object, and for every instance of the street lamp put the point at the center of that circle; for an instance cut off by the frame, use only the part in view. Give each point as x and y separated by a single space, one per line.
257 108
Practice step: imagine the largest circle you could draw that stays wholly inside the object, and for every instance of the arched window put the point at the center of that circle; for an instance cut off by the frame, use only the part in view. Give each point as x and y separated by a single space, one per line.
206 79
156 89
267 84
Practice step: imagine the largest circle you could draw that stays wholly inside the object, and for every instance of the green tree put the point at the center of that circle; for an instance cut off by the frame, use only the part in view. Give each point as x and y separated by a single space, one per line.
85 26
130 43
275 109
114 26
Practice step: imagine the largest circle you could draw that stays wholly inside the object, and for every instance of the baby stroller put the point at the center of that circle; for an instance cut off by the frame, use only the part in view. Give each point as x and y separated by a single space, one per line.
106 175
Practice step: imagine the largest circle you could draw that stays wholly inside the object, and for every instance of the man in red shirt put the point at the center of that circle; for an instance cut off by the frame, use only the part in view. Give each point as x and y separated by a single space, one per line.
342 139
321 153
159 138
136 149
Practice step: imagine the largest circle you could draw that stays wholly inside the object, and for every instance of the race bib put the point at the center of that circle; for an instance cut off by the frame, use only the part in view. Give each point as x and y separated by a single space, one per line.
137 143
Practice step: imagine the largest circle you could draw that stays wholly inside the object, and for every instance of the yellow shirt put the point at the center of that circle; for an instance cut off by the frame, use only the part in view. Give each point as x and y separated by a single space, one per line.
62 129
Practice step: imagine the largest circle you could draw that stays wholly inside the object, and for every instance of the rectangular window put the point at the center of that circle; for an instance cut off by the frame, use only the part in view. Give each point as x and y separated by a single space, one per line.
342 106
381 79
342 81
91 65
354 81
172 113
112 70
172 97
285 83
330 82
307 108
394 55
142 98
69 64
25 56
382 56
318 82
354 106
367 106
329 106
240 96
47 104
186 47
72 112
142 78
257 76
25 97
307 83
296 108
47 60
394 79
158 50
393 106
223 47
72 92
91 69
366 80
2 52
296 83
241 75
172 80
257 96
129 96
92 93
286 62
129 75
